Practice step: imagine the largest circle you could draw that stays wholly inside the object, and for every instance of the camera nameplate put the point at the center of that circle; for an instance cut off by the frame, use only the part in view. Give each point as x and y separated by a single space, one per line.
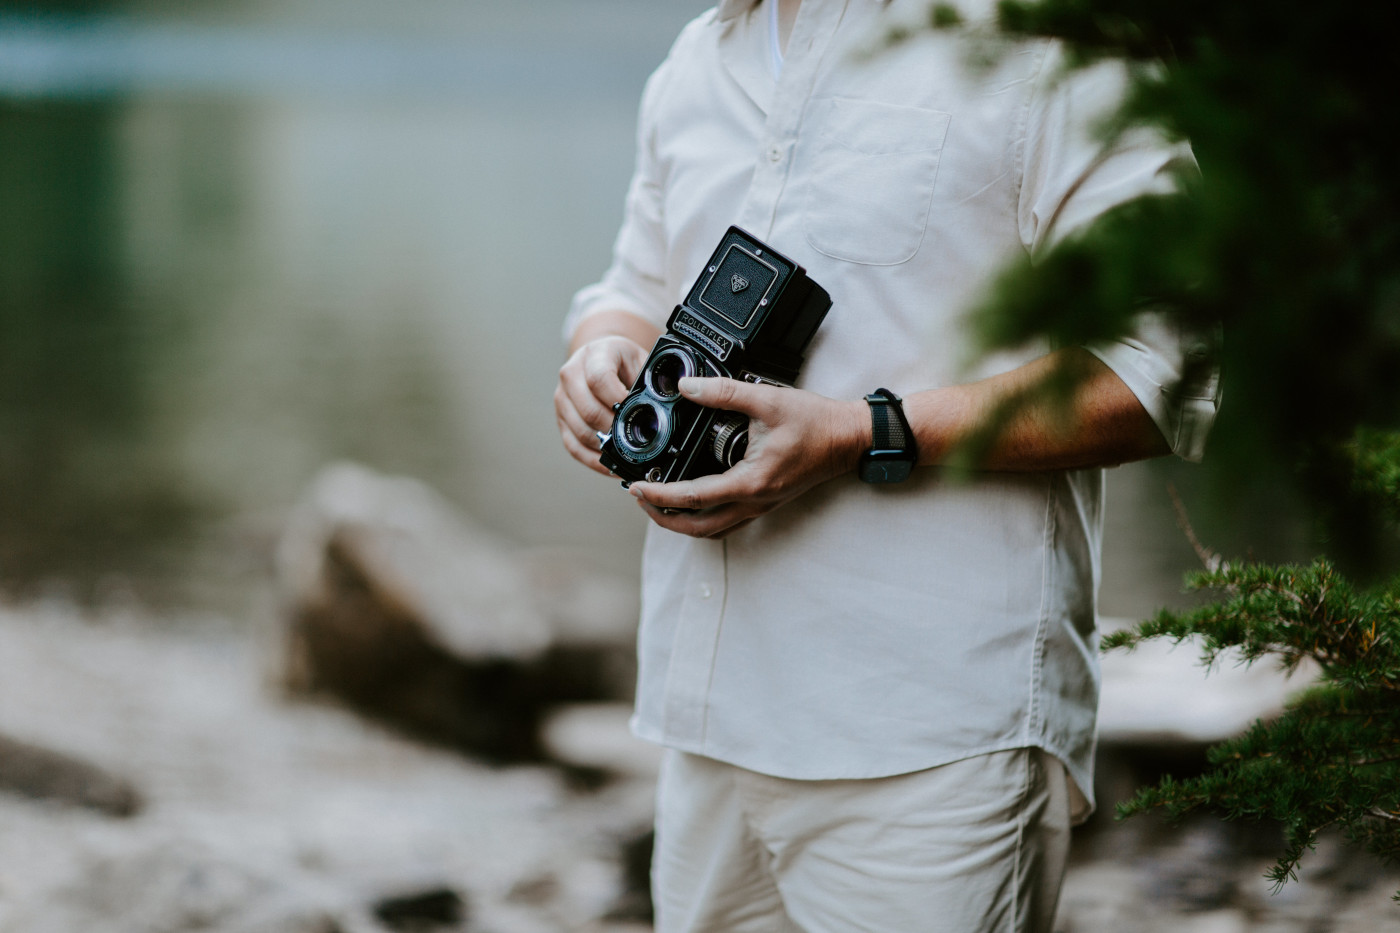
703 334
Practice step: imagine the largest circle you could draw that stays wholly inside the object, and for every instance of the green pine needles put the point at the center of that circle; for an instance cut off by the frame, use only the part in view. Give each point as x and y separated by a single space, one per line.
1333 758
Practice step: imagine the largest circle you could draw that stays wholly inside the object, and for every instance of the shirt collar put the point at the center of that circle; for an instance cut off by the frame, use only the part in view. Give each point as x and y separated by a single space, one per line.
728 9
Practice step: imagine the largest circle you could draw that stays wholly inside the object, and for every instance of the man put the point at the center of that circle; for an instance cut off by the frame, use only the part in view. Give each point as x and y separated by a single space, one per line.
878 699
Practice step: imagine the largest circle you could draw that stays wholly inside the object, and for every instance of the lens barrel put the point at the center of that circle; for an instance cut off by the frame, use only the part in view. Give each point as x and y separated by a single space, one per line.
642 428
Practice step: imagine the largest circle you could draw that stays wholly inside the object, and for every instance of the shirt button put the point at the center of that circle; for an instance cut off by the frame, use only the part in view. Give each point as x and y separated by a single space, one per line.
705 591
775 153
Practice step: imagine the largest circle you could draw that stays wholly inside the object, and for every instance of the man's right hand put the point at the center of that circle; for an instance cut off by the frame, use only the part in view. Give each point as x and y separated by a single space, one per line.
597 376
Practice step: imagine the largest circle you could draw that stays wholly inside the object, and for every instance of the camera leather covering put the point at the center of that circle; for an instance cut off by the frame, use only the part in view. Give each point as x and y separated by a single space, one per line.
739 285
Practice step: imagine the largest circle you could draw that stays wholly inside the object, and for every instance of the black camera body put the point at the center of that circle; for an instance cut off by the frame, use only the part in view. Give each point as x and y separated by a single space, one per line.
750 315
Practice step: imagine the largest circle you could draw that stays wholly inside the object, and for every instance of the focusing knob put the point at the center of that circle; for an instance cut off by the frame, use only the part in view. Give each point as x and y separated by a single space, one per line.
731 439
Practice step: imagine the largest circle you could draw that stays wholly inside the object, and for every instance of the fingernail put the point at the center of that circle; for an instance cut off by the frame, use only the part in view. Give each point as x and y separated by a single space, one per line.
689 383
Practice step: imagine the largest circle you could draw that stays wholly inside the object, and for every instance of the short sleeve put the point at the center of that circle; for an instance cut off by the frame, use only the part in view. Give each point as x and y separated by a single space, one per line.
1174 373
634 282
1070 177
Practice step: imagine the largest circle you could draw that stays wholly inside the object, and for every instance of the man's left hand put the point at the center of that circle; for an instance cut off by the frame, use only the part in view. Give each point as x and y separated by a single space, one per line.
797 439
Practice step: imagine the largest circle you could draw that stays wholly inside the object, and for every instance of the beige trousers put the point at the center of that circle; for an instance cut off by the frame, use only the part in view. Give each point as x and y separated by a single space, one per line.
976 846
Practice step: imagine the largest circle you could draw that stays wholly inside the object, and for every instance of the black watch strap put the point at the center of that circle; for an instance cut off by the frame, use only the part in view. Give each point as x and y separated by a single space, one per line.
887 422
892 452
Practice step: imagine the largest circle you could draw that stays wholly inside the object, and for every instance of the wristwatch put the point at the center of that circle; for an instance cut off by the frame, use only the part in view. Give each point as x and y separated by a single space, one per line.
892 452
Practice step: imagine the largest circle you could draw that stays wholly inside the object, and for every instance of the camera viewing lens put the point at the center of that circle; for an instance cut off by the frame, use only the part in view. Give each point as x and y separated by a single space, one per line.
666 371
643 428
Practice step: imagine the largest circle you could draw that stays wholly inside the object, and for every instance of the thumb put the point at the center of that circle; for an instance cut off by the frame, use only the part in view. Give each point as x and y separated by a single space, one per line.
729 394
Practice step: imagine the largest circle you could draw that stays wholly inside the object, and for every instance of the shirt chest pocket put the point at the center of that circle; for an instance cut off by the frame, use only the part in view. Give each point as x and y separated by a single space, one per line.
864 175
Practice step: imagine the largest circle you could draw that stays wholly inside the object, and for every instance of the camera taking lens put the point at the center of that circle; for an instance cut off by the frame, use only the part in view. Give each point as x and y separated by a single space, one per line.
642 428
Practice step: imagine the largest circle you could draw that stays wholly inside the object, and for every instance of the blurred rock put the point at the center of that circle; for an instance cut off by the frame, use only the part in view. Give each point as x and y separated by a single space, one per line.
181 888
1160 693
422 911
1198 876
274 817
596 735
1100 896
582 603
427 564
266 816
634 903
45 774
401 607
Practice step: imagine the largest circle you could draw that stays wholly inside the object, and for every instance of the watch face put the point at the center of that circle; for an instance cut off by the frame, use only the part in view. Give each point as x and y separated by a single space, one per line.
886 471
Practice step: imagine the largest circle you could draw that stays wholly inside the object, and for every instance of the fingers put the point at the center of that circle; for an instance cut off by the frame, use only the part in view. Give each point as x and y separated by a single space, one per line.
706 492
588 458
756 401
588 383
710 523
580 443
571 421
591 410
592 379
735 527
602 375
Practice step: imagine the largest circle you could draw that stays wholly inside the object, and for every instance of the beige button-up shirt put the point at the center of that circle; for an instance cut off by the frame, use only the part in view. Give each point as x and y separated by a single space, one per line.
863 631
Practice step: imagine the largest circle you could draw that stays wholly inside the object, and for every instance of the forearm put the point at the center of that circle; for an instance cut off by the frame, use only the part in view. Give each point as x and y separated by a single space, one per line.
1101 424
615 324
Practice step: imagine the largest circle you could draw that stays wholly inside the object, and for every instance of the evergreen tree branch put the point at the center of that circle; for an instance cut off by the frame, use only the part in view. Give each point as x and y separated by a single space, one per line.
1209 559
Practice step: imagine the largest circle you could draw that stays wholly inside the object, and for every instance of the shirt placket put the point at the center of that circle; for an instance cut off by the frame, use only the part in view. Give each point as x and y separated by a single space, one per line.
811 37
696 645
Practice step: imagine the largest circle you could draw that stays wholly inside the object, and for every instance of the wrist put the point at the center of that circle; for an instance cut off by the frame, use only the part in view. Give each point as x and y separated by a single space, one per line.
851 435
940 419
893 450
621 324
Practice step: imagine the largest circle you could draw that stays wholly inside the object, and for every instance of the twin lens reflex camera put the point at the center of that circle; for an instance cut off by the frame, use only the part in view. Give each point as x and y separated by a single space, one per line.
750 316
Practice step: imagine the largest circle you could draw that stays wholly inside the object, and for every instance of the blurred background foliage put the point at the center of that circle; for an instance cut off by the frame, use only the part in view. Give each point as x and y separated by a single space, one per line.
1288 241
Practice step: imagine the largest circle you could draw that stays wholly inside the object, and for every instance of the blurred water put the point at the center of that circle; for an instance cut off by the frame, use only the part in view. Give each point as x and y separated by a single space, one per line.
241 239
238 241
